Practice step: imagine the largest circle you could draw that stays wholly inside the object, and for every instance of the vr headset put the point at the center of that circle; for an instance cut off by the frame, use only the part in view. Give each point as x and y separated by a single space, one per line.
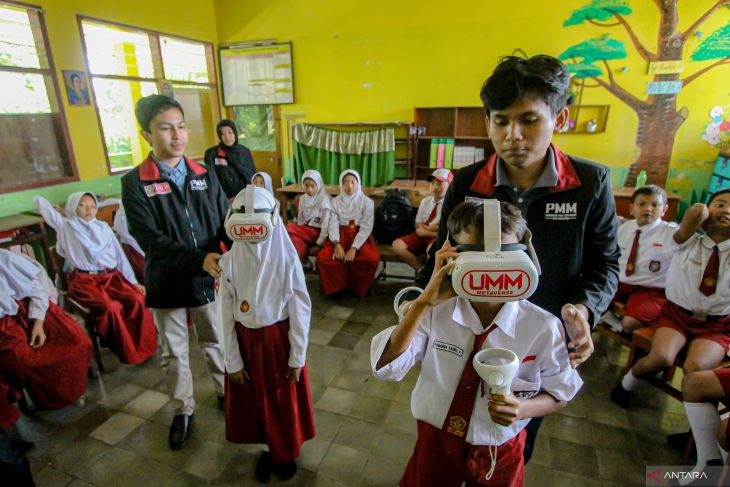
252 215
495 273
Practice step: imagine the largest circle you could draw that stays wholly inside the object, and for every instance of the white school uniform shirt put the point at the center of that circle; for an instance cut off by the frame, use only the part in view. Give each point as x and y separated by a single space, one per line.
20 278
655 252
268 278
315 210
357 207
425 209
443 343
88 246
122 230
685 275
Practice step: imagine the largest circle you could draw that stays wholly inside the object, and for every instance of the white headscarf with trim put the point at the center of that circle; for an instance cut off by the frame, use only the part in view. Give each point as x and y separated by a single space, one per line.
311 206
349 207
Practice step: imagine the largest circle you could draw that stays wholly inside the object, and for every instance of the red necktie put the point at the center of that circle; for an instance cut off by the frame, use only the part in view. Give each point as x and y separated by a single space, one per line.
712 270
433 213
631 264
456 424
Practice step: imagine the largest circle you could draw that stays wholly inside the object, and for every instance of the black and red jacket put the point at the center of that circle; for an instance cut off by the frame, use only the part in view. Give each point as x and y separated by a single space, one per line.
176 229
573 225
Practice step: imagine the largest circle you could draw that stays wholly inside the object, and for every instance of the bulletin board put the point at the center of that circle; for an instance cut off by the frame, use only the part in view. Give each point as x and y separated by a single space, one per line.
257 75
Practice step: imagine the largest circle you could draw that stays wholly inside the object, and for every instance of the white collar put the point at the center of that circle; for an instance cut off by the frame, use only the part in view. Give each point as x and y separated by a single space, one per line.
466 316
708 243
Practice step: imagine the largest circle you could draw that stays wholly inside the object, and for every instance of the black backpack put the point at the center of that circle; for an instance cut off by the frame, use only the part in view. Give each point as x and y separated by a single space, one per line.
394 217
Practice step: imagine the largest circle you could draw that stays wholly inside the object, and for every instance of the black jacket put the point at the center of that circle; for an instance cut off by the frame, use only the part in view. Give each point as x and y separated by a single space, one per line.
176 229
573 226
233 165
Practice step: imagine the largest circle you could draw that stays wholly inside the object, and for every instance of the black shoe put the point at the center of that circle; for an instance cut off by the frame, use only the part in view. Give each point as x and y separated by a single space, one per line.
679 442
263 468
221 401
182 424
285 471
620 396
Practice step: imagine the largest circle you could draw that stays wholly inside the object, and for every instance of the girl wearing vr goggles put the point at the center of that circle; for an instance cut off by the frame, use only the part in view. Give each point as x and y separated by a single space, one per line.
456 416
264 313
349 258
313 215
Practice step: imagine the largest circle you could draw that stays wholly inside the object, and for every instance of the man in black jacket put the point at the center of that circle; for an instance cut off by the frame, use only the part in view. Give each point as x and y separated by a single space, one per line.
176 210
567 201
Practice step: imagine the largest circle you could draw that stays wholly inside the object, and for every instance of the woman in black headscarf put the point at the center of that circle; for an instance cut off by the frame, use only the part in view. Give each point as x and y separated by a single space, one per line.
233 162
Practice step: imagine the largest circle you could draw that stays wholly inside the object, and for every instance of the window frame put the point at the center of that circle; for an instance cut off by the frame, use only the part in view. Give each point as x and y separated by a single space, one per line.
53 75
158 67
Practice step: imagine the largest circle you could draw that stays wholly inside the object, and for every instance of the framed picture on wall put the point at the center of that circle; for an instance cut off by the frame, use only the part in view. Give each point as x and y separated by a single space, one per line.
77 87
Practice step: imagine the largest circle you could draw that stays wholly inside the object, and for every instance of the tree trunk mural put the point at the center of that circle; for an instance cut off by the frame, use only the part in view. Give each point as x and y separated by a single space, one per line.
659 117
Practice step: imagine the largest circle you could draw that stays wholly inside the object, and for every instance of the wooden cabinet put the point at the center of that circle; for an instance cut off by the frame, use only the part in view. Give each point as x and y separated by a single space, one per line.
463 124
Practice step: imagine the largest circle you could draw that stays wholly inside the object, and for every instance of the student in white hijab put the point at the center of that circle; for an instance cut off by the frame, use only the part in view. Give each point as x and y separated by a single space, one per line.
350 257
101 277
313 215
42 349
264 314
263 180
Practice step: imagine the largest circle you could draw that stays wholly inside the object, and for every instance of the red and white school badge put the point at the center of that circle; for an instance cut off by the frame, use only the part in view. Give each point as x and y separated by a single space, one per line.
245 307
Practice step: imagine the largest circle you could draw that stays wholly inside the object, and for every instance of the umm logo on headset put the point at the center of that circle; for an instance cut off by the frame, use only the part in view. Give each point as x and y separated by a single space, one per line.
249 231
502 283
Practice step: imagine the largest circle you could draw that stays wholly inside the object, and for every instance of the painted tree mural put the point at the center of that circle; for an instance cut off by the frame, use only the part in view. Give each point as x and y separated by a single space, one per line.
659 117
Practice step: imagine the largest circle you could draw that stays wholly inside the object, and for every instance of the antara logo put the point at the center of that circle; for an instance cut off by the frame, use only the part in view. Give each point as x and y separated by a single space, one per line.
503 283
248 231
561 211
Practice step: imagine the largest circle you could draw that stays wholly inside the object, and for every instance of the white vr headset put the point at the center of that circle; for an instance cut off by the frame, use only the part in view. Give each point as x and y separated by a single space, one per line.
496 273
252 215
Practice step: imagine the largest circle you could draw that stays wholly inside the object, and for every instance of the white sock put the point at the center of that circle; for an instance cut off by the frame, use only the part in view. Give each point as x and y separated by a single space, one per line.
629 382
704 422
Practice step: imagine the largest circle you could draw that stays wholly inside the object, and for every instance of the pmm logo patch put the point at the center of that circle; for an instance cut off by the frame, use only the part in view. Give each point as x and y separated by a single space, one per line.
198 184
157 188
447 347
561 211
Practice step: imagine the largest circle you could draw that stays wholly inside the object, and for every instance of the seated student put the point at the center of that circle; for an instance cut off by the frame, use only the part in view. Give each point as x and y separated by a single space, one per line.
233 162
131 248
42 349
413 247
102 278
263 180
446 401
698 298
647 246
349 258
313 215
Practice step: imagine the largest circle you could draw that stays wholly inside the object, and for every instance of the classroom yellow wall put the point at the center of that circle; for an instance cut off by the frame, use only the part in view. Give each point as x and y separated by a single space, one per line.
377 60
189 18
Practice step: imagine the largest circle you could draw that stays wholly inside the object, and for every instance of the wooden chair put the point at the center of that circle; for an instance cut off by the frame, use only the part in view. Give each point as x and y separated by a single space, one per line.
72 306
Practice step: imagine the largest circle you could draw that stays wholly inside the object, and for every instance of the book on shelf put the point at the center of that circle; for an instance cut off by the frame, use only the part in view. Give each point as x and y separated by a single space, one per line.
433 154
448 153
441 153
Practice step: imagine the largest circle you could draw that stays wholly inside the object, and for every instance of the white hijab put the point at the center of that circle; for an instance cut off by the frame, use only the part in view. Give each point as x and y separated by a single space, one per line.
93 238
267 180
120 226
17 275
349 207
311 206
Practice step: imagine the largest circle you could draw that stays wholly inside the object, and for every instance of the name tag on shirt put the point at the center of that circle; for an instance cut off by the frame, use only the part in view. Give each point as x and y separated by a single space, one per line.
198 184
219 161
447 347
157 188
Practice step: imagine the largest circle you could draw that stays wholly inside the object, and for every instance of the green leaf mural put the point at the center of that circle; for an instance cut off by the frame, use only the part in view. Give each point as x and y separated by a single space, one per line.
715 46
598 10
583 70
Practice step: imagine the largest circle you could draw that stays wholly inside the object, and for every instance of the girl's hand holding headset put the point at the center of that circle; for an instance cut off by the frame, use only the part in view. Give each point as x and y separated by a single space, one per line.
439 289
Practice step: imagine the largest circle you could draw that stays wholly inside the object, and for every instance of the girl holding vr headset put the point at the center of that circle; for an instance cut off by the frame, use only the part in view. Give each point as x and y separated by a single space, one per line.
264 313
466 433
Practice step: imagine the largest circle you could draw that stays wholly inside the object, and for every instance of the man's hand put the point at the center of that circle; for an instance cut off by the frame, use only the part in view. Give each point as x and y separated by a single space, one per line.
140 288
239 377
339 253
504 410
350 255
37 334
210 264
575 317
293 374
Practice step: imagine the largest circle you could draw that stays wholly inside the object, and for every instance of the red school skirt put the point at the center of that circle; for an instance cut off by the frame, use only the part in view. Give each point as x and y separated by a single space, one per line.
643 303
358 276
268 408
55 374
303 237
136 260
118 313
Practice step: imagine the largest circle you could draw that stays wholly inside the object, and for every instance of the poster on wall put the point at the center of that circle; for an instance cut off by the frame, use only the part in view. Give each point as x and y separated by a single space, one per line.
77 88
257 75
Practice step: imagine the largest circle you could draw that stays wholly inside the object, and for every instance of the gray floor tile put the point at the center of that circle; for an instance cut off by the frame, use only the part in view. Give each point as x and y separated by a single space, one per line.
373 409
343 464
568 428
337 400
355 328
537 475
571 457
381 472
319 336
394 444
121 395
116 428
344 340
339 312
357 433
352 380
313 451
327 424
146 404
565 479
209 460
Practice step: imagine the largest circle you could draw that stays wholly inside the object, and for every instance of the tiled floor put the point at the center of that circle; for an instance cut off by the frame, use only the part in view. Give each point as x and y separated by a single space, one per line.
365 431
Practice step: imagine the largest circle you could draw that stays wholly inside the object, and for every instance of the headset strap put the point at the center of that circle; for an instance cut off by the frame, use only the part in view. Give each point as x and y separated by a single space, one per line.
492 226
531 250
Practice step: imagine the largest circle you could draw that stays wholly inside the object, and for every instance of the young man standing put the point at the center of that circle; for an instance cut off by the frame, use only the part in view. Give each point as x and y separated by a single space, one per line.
567 201
175 210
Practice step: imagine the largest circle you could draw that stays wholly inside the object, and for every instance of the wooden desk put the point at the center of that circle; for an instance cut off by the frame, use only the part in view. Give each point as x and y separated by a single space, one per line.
32 228
622 196
107 208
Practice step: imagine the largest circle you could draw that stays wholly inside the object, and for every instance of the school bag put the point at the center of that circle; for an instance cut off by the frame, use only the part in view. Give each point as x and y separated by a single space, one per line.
394 217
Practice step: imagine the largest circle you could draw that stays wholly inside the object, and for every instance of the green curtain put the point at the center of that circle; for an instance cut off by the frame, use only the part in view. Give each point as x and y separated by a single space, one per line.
370 152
